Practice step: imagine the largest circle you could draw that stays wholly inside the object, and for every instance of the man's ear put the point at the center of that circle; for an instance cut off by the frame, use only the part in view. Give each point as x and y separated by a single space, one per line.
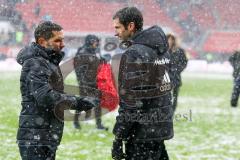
41 41
131 27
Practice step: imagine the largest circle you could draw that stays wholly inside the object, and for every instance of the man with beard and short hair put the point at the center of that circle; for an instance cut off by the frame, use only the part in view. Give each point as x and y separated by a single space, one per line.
86 65
145 113
43 100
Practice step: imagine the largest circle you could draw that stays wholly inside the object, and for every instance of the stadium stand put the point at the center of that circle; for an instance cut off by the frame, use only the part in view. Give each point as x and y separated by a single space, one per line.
222 42
91 15
201 25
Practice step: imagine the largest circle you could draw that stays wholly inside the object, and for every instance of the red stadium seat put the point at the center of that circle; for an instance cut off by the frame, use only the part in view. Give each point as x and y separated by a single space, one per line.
91 15
222 42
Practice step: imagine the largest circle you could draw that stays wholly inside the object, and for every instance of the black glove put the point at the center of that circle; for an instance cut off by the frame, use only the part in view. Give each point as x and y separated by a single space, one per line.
87 103
117 150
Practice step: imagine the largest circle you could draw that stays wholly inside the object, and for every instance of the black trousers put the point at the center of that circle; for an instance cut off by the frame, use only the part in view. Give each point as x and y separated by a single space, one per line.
37 152
98 114
175 93
146 151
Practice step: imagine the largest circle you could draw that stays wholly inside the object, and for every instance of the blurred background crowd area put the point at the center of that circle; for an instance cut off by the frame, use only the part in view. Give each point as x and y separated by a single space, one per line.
207 29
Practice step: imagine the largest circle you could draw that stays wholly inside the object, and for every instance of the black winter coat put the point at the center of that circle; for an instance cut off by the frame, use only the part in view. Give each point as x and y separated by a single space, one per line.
178 64
86 65
144 113
41 86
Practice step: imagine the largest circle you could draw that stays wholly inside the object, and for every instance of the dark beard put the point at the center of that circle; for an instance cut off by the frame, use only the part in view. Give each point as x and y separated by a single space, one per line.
51 48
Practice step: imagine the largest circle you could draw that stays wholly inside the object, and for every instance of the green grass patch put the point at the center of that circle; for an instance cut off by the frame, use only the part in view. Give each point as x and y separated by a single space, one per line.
212 133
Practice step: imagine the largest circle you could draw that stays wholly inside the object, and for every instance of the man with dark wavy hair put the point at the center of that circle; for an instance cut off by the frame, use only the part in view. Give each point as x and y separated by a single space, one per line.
145 113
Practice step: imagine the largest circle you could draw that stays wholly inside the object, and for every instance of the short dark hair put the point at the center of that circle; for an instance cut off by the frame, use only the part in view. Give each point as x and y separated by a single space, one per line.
130 14
44 29
90 39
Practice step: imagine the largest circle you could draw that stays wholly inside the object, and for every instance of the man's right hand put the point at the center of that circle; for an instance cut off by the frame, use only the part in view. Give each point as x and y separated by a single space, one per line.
117 150
87 103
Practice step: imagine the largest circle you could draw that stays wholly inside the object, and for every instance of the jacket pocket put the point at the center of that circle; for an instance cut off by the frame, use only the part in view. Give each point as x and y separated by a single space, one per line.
39 135
155 124
33 121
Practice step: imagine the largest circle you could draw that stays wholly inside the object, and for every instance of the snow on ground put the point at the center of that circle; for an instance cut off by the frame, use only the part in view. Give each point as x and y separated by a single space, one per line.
10 64
194 66
193 140
206 75
200 105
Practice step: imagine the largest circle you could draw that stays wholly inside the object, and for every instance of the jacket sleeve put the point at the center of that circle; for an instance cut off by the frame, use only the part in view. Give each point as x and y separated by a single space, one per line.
124 121
232 59
77 68
86 67
40 88
183 60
